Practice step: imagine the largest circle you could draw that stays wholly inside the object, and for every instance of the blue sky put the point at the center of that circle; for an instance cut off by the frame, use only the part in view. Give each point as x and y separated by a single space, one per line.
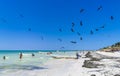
45 17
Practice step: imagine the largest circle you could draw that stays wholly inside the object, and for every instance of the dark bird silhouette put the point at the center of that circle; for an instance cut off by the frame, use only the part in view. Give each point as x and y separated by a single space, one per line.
102 26
78 33
74 42
81 23
73 24
96 29
42 38
60 30
99 8
4 20
29 29
72 30
111 17
81 38
82 10
62 47
60 39
91 32
21 15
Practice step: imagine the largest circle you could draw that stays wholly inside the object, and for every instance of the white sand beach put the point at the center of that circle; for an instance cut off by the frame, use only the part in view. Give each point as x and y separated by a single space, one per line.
60 67
73 67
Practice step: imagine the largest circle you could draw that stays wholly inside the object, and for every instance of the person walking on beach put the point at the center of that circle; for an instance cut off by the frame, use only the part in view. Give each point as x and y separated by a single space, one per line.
21 55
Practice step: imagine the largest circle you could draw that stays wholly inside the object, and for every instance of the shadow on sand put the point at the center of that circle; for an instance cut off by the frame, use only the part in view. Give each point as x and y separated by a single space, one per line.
22 67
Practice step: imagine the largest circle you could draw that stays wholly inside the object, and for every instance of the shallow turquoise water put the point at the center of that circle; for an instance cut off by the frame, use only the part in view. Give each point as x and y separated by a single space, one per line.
13 65
28 62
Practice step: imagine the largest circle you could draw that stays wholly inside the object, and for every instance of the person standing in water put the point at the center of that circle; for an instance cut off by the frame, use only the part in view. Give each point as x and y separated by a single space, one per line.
33 54
77 55
4 57
21 55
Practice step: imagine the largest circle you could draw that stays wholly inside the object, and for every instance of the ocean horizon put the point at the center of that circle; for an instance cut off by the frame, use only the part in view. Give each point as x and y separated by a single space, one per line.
35 51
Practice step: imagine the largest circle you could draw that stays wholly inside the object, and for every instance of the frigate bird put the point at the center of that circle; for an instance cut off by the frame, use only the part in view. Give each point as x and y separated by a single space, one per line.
42 38
91 32
78 33
29 29
81 38
73 24
60 30
82 10
62 47
60 39
96 29
102 26
111 17
81 23
4 20
74 42
99 8
21 15
72 30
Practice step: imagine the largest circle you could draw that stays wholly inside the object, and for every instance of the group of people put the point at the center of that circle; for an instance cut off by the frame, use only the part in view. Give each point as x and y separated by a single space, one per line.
20 56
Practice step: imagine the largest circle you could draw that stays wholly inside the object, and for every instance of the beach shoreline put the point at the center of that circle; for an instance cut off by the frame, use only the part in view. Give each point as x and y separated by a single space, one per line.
90 63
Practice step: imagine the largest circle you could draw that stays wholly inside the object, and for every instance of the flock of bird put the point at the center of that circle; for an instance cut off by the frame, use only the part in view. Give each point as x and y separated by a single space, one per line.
72 27
21 16
81 24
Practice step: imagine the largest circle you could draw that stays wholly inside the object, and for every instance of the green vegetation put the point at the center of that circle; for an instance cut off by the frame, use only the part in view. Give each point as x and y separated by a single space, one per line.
114 47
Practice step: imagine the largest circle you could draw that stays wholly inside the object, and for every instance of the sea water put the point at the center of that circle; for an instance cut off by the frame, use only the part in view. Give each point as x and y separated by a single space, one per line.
12 62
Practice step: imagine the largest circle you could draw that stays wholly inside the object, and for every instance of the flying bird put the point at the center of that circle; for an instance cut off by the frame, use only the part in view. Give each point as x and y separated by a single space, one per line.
82 10
91 32
60 30
102 27
60 39
99 8
62 47
111 17
96 29
74 42
4 20
21 15
78 33
81 38
72 30
81 23
73 24
42 38
29 29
